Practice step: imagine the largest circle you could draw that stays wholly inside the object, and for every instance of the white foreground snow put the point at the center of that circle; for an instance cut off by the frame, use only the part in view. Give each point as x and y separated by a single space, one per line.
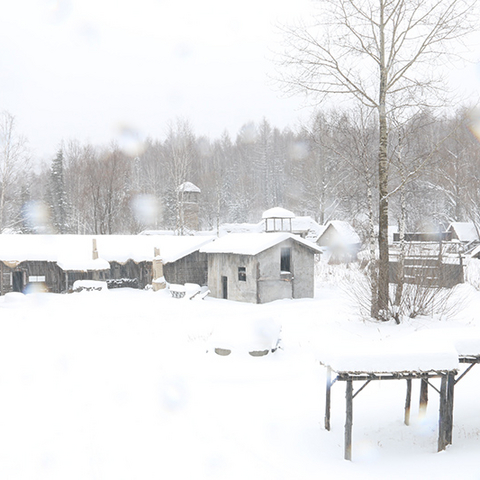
118 385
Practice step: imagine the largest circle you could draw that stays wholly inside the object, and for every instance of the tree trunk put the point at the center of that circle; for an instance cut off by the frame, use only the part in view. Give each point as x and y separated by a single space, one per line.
382 312
373 257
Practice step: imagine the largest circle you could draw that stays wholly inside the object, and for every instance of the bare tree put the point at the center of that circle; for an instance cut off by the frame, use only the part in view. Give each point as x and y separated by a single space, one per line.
375 52
14 160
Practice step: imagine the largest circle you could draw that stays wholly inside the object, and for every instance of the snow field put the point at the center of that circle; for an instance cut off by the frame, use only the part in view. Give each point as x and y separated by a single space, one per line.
118 385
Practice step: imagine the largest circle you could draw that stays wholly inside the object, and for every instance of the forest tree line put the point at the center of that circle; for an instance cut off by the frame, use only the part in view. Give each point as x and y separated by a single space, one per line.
325 169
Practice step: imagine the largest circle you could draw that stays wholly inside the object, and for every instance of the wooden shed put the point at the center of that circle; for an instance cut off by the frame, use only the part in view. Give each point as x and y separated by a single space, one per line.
56 261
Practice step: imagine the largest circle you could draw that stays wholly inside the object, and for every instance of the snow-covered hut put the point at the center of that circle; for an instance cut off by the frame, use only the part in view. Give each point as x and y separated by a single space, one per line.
58 260
261 267
341 240
465 232
53 261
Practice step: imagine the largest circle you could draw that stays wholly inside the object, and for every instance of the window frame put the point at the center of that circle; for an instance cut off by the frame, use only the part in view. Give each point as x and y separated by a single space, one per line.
242 274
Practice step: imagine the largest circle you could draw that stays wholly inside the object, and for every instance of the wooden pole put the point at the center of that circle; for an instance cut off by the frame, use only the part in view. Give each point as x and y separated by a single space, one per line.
442 423
328 399
449 406
423 397
349 420
408 401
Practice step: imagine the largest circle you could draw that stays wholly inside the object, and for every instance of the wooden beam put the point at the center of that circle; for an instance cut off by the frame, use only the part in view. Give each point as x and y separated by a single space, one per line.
348 420
465 372
408 401
361 388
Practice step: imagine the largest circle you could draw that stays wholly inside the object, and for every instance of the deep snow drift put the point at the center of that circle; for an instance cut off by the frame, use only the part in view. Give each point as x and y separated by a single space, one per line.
119 385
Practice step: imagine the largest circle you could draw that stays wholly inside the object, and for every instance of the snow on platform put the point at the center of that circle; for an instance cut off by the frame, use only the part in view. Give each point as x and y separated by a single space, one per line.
410 354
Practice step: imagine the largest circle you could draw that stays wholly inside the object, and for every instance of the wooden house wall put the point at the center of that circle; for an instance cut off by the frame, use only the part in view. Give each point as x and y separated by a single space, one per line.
142 271
54 276
192 268
428 272
73 276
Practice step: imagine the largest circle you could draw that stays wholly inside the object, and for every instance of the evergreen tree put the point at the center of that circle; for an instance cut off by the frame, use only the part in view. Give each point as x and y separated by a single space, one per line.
58 196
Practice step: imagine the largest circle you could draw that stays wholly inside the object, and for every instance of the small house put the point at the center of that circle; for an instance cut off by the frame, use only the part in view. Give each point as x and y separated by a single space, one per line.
261 267
341 241
465 232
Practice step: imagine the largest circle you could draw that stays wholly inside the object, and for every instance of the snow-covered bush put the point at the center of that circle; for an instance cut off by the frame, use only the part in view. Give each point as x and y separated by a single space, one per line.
421 298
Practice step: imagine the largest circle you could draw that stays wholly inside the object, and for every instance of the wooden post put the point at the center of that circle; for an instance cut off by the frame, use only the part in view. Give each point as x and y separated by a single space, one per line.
328 398
408 401
423 397
442 422
349 420
449 407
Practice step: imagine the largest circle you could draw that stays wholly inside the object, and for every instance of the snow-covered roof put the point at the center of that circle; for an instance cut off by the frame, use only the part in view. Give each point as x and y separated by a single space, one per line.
75 263
278 212
347 233
465 231
226 228
409 354
253 243
188 187
309 225
74 252
157 232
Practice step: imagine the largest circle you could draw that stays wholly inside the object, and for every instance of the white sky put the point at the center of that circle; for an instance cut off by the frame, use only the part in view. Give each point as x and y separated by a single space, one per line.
86 69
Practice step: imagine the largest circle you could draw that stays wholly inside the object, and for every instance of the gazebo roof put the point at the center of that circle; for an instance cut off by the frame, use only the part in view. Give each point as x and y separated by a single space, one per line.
188 187
278 212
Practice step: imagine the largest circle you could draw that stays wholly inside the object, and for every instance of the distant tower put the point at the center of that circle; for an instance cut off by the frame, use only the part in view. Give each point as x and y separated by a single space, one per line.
278 220
188 196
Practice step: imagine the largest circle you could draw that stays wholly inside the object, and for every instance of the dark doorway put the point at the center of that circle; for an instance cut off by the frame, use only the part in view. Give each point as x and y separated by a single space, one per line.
17 281
224 287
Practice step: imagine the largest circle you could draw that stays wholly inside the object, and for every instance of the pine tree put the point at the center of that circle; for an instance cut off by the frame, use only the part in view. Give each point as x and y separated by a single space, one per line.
58 196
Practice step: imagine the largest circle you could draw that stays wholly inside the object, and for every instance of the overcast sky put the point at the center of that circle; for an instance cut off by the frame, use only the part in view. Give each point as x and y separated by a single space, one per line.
90 69
87 69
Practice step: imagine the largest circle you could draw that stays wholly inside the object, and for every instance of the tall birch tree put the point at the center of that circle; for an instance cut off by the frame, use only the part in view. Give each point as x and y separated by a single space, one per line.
385 54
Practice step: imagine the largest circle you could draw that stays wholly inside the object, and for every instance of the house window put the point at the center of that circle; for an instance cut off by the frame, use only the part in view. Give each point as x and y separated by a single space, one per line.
242 274
285 257
36 278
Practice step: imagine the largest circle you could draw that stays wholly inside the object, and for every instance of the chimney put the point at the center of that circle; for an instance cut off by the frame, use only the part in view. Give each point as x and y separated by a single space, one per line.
158 281
95 251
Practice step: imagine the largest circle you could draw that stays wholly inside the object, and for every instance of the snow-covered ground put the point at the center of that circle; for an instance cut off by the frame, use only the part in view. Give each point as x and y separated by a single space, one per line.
119 385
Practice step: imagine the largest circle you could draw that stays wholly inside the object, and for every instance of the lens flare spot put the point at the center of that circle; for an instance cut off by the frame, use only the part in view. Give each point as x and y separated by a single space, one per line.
145 208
